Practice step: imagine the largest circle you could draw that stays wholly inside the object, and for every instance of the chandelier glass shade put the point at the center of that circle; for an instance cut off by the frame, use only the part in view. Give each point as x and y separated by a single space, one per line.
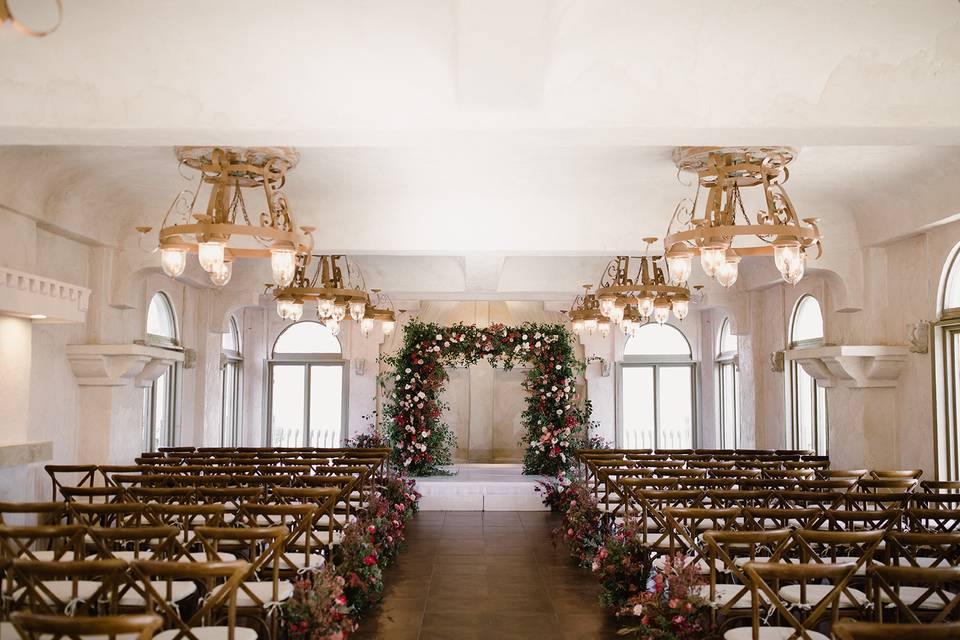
721 232
225 230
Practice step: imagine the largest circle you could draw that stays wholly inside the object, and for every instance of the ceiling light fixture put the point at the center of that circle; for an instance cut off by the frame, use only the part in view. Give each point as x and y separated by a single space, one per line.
713 232
225 230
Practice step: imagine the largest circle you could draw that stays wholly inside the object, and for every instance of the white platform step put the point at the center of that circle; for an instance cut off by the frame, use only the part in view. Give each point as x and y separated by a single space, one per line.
481 487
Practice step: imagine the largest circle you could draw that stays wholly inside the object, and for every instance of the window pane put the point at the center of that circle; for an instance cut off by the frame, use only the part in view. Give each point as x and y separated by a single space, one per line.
807 320
326 405
230 341
286 406
655 339
676 408
638 409
951 292
307 337
160 321
728 341
229 404
804 408
161 406
728 405
822 433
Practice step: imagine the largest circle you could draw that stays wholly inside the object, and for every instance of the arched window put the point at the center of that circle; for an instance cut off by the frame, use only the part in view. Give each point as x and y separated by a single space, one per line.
947 367
728 388
231 378
807 428
161 400
308 388
657 390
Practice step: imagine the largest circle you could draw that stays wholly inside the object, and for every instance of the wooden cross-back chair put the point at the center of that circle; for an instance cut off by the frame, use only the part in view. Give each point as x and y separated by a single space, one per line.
87 587
822 589
93 495
302 547
163 495
763 518
737 498
218 583
186 518
111 514
727 552
796 499
40 513
685 527
33 626
924 550
261 547
70 475
326 523
42 542
932 520
840 547
916 594
652 516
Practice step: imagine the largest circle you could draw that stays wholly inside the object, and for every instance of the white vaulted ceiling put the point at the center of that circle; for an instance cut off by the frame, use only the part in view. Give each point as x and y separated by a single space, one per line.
502 148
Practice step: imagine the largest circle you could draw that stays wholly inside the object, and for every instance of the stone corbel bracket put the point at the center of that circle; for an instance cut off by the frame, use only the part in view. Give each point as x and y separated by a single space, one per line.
117 365
852 366
27 294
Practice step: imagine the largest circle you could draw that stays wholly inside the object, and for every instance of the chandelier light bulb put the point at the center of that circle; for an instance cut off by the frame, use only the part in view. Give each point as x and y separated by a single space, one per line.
325 308
645 305
590 324
680 309
388 326
680 264
728 271
661 314
339 311
626 325
173 260
711 258
357 309
604 327
221 276
366 326
616 314
795 273
607 304
578 327
283 263
211 256
333 325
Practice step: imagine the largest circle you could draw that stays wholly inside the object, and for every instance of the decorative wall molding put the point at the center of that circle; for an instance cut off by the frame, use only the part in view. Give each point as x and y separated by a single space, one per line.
27 294
15 455
117 365
918 336
852 366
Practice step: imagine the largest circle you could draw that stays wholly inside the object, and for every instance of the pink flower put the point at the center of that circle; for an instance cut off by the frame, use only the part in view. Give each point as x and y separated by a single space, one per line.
673 603
342 600
370 560
678 620
371 529
638 610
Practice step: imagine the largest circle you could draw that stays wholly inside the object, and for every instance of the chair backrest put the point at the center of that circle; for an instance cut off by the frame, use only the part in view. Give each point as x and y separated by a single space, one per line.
725 549
63 542
938 595
897 473
263 546
33 585
53 627
854 630
42 512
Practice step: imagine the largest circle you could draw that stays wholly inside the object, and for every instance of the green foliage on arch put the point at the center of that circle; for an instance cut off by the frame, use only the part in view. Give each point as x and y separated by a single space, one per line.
555 419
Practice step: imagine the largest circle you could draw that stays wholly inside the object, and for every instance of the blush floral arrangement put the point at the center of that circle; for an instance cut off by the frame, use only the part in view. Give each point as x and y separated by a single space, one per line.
554 417
328 604
673 609
622 565
555 493
371 438
582 528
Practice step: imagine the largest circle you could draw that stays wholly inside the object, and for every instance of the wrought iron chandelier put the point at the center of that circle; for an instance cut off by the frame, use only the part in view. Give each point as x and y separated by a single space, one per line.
337 291
714 232
225 230
631 299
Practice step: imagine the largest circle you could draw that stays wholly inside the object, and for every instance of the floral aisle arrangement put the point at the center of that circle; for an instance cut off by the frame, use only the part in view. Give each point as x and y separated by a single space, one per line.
555 493
327 605
622 565
371 438
553 417
582 528
674 608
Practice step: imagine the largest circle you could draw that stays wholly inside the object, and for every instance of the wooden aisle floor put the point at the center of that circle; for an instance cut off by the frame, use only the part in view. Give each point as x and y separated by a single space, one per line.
466 575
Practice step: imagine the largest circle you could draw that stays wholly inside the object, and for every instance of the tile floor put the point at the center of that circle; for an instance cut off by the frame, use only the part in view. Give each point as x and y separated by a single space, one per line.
473 574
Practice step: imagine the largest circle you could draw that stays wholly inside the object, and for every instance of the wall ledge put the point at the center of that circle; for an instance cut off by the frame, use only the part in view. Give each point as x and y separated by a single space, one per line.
16 455
852 366
26 294
117 365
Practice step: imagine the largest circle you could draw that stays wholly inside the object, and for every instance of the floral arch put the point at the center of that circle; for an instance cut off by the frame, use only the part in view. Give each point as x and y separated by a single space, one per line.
554 418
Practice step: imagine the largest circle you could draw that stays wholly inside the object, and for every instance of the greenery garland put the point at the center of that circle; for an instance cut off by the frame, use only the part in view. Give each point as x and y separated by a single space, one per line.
554 418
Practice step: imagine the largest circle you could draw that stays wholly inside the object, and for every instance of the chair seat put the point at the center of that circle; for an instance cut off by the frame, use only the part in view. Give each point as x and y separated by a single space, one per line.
701 565
305 560
816 592
210 633
180 590
62 590
9 632
909 595
324 521
324 536
725 593
263 592
768 633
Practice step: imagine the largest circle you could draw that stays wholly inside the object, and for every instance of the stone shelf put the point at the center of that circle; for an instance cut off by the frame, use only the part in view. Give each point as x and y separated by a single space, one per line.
16 455
115 365
852 366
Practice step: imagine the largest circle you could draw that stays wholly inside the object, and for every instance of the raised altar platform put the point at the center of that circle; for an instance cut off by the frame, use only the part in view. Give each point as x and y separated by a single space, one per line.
481 487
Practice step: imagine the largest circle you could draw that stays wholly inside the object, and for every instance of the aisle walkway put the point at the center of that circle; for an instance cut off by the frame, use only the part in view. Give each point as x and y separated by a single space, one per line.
467 575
